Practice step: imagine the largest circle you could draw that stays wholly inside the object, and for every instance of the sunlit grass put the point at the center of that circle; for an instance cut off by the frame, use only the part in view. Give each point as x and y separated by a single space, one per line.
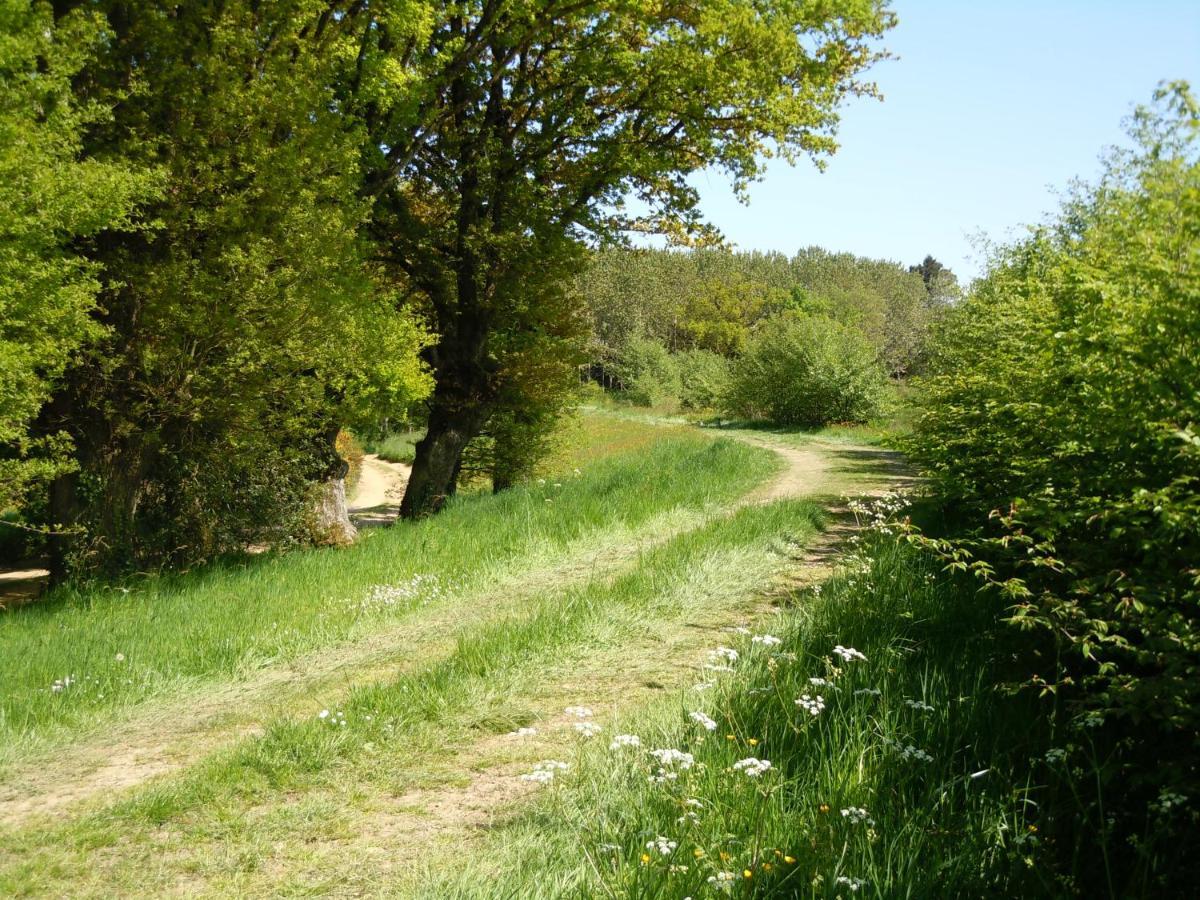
398 732
903 773
121 646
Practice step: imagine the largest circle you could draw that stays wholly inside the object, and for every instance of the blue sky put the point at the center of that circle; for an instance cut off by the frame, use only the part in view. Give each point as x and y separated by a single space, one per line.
989 108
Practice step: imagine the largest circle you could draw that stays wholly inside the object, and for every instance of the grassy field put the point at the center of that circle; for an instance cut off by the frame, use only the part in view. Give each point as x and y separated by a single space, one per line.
359 722
78 657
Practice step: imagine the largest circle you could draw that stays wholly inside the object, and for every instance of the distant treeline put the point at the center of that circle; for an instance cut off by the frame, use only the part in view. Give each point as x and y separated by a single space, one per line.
690 325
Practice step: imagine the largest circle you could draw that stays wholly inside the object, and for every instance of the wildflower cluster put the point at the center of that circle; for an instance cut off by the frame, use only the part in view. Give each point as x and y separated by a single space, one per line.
752 766
587 729
856 815
386 596
848 654
332 718
664 846
703 720
878 513
670 763
811 705
544 771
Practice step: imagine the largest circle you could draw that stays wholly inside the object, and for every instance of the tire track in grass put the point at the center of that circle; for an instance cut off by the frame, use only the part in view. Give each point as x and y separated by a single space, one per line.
806 472
167 734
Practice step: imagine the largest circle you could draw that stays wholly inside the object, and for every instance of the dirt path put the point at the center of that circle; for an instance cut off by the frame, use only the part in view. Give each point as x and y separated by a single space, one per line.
379 491
151 742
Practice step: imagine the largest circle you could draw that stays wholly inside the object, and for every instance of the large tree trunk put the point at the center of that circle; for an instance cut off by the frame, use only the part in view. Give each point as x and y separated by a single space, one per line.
439 455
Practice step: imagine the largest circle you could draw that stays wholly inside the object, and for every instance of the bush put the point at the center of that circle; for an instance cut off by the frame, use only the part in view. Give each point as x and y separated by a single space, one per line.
1062 418
647 372
703 379
807 371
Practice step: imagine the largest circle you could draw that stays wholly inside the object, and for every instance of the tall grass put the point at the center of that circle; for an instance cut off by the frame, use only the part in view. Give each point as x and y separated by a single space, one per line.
912 778
397 447
79 655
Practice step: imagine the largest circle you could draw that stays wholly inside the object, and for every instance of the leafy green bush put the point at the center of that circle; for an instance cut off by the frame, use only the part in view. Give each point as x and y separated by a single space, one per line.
647 372
703 379
1065 404
806 371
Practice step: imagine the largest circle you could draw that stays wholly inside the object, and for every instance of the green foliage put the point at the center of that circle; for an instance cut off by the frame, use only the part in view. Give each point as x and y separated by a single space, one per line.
712 298
52 202
1064 397
246 325
526 128
806 371
647 372
703 379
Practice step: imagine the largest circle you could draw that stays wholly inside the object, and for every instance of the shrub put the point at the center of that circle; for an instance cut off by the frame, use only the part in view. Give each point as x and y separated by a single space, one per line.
806 371
1062 416
703 379
647 372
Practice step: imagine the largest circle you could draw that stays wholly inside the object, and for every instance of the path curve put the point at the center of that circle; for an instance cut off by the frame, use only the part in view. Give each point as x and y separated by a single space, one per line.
139 750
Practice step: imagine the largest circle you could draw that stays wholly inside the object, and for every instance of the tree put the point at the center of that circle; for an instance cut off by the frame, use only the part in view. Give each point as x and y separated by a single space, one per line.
51 200
940 283
526 126
236 322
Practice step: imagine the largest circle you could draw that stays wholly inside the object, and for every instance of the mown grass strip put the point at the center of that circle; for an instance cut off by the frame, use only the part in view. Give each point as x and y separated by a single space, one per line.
397 733
121 648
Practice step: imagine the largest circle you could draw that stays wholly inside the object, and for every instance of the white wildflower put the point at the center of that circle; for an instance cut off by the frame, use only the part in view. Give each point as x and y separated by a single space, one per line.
702 686
702 719
752 766
588 729
848 654
664 846
811 705
856 814
579 712
868 692
723 656
767 640
544 771
1056 755
920 705
722 880
854 884
120 657
523 732
820 682
625 740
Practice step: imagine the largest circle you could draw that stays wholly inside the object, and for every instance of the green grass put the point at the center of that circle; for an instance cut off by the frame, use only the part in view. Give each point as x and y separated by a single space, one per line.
304 783
956 825
122 647
397 447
